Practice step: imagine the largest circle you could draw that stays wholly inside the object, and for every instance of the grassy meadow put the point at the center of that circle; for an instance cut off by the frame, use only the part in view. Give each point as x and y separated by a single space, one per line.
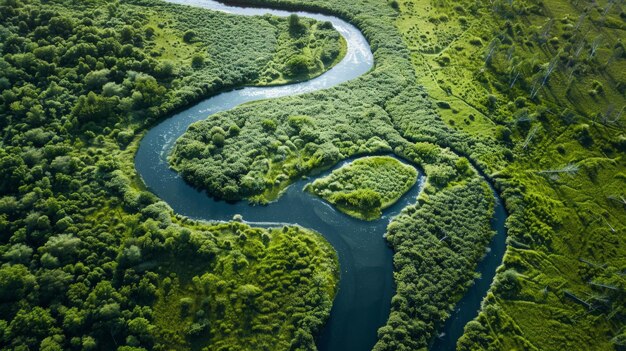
545 79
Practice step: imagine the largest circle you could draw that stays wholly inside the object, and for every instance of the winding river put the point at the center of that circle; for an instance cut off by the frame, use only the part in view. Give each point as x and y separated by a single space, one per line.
362 303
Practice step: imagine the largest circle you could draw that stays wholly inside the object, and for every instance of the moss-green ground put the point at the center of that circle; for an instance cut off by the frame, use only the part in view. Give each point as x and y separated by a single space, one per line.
546 80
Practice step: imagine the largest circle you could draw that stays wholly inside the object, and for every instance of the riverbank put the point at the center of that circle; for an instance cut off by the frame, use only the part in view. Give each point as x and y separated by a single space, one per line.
449 174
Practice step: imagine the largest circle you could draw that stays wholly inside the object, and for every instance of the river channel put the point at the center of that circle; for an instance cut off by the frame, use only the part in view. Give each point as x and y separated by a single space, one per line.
366 285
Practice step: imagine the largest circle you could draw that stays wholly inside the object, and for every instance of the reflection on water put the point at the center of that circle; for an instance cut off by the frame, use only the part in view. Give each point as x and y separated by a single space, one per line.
366 286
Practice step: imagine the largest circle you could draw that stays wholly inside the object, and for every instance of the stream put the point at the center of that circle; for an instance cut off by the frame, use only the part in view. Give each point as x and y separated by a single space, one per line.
366 286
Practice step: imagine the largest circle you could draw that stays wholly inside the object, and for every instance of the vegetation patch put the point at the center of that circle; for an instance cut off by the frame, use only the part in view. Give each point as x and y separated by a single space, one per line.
366 186
305 50
89 259
231 284
435 237
534 97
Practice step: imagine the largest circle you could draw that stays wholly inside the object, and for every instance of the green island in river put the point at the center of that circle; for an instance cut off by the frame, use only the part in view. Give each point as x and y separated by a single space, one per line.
521 99
365 187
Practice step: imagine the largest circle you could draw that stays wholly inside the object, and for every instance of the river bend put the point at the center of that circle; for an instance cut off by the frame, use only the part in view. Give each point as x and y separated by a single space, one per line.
366 285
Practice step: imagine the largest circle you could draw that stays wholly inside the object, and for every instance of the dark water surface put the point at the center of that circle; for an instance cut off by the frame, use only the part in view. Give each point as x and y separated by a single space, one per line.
366 284
468 307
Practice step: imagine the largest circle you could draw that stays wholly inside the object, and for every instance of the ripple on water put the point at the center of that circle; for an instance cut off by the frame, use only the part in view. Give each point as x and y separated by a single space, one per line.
362 303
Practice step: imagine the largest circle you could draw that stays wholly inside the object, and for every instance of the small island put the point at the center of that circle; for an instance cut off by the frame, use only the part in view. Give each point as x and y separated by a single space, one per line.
365 187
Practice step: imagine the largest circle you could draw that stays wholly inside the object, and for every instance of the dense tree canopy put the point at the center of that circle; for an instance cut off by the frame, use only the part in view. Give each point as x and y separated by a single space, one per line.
531 92
89 259
366 186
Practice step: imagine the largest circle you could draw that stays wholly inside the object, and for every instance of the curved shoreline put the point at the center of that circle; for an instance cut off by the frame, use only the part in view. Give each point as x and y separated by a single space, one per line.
366 282
366 285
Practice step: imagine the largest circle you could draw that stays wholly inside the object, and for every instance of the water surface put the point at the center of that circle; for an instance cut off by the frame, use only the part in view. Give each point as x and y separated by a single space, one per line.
366 284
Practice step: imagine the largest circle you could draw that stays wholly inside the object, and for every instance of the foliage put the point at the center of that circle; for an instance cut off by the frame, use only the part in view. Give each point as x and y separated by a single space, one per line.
435 254
86 251
275 143
545 79
366 186
237 285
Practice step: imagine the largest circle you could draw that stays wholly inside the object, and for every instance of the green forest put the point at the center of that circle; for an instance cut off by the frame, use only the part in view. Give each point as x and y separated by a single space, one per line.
364 187
526 95
91 260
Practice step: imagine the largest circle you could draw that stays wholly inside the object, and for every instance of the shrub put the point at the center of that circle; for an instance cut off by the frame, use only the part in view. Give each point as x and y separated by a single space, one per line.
298 64
189 36
197 61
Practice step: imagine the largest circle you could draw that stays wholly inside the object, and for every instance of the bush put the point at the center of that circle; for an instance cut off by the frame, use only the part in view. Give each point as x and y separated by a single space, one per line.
189 36
296 65
197 61
366 186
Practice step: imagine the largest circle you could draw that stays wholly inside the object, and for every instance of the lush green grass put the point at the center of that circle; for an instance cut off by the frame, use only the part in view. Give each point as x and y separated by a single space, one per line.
549 76
365 187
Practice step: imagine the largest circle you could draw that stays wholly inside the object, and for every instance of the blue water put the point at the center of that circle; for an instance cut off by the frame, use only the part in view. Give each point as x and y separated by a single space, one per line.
366 285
